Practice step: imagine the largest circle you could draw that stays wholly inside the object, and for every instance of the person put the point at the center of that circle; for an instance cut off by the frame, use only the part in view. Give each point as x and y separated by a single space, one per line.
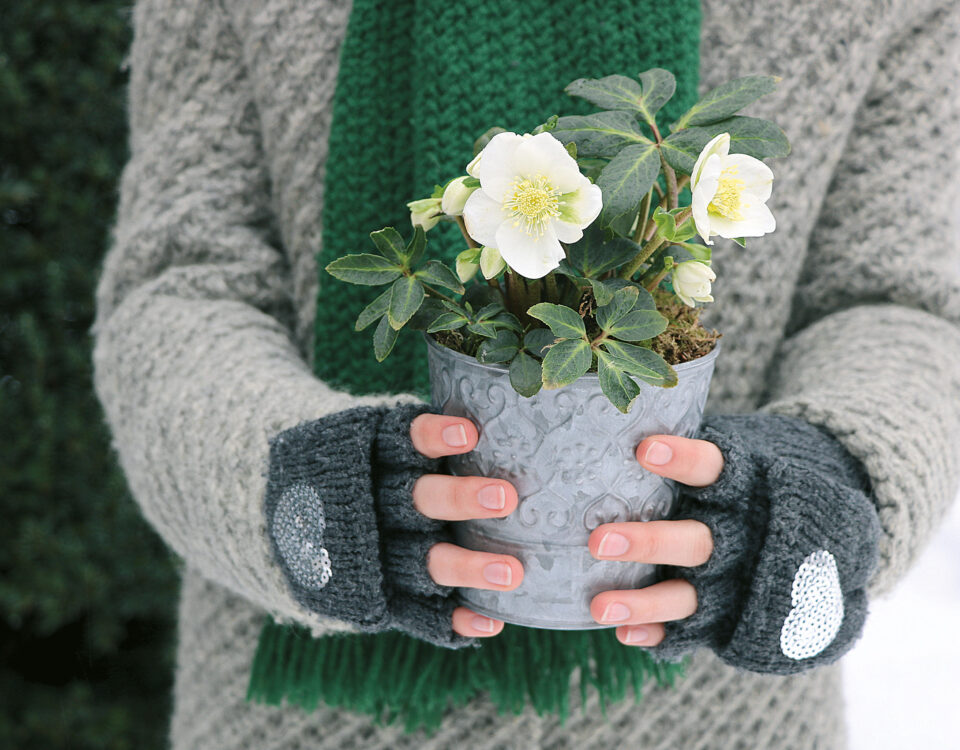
836 398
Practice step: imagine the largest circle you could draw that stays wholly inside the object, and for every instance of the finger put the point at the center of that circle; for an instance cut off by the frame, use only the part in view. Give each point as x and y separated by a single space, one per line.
641 635
660 602
459 498
693 462
686 542
451 565
469 623
436 435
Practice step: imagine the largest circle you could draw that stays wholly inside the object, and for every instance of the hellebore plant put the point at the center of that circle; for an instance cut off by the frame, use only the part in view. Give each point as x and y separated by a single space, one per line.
586 259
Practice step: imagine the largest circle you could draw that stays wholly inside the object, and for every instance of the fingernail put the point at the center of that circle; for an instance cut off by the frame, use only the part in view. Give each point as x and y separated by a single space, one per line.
613 545
636 635
492 497
615 612
454 435
483 623
658 454
499 573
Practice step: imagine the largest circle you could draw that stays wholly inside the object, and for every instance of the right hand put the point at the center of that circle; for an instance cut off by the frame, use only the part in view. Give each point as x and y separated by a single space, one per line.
450 498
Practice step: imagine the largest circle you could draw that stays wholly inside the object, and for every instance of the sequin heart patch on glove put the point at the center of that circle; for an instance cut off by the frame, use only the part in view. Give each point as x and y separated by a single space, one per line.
299 522
817 612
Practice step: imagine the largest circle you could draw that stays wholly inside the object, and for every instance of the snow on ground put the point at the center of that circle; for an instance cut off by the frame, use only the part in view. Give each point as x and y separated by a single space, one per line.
902 679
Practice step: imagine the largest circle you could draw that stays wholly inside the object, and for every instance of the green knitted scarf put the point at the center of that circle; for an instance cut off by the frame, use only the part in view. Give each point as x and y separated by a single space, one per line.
419 81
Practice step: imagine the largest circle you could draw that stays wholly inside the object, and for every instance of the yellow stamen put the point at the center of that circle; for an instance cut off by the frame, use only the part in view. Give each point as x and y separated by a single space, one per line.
726 201
533 201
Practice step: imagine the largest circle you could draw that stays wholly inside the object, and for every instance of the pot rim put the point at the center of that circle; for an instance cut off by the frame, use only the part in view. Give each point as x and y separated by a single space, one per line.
693 364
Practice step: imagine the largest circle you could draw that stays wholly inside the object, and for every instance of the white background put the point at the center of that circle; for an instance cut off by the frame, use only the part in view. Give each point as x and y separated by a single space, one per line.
902 678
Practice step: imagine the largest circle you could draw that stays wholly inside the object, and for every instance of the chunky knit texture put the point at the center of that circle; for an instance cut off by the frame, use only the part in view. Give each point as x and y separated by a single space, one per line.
788 491
847 317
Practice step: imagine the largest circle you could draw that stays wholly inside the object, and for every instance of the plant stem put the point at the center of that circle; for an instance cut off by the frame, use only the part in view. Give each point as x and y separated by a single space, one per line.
553 293
655 282
643 216
672 192
430 290
463 230
641 257
515 294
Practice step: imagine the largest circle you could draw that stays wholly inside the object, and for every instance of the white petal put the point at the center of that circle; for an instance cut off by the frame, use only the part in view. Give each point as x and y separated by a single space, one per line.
545 155
528 255
757 221
581 206
757 176
482 216
497 169
567 232
703 193
719 144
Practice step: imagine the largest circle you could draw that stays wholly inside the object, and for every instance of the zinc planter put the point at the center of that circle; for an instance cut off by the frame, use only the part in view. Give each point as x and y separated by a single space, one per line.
571 455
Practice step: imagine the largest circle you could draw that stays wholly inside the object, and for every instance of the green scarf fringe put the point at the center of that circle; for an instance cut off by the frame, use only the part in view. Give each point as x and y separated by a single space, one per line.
395 676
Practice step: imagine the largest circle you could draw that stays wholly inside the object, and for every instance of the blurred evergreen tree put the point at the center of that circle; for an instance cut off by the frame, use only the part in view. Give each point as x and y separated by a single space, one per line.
87 590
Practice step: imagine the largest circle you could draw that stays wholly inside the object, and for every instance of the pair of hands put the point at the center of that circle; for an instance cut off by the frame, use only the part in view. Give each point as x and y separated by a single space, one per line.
641 612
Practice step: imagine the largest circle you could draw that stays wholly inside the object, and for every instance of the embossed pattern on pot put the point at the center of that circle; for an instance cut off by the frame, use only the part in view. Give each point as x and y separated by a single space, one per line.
571 455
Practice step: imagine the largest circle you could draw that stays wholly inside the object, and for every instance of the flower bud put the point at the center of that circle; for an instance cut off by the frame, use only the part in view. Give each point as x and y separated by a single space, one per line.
467 264
691 282
455 196
472 166
491 262
425 212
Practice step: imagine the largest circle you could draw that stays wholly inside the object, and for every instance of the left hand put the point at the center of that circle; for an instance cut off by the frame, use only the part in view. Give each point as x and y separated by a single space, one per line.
687 543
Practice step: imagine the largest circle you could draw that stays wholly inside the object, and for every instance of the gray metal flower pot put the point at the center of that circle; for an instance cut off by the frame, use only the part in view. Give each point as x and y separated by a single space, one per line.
572 457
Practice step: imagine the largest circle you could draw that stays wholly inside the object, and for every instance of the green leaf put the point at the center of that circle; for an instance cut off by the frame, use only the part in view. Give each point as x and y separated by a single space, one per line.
508 321
384 337
592 255
626 180
565 362
471 182
486 328
699 252
599 134
480 295
622 302
639 325
406 294
753 136
547 126
726 99
645 300
428 312
417 245
665 221
374 310
536 339
501 348
609 92
526 374
390 244
563 321
740 241
658 86
615 383
685 232
571 149
645 363
601 292
434 272
489 310
364 268
681 149
447 321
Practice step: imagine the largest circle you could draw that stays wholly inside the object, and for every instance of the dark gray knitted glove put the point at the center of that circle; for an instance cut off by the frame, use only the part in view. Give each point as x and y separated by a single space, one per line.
340 513
795 540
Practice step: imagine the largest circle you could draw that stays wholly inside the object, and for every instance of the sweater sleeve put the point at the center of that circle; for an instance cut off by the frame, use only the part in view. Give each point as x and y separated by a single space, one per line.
194 355
872 351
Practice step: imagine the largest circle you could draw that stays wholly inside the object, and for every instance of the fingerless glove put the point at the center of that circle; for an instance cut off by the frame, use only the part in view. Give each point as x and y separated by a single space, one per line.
795 537
344 529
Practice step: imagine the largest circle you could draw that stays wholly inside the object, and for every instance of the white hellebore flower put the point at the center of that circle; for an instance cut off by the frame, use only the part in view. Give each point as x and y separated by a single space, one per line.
730 193
691 282
532 197
454 196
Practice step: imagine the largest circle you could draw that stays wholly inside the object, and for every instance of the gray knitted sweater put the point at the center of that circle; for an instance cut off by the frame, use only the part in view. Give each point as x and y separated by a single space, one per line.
847 317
